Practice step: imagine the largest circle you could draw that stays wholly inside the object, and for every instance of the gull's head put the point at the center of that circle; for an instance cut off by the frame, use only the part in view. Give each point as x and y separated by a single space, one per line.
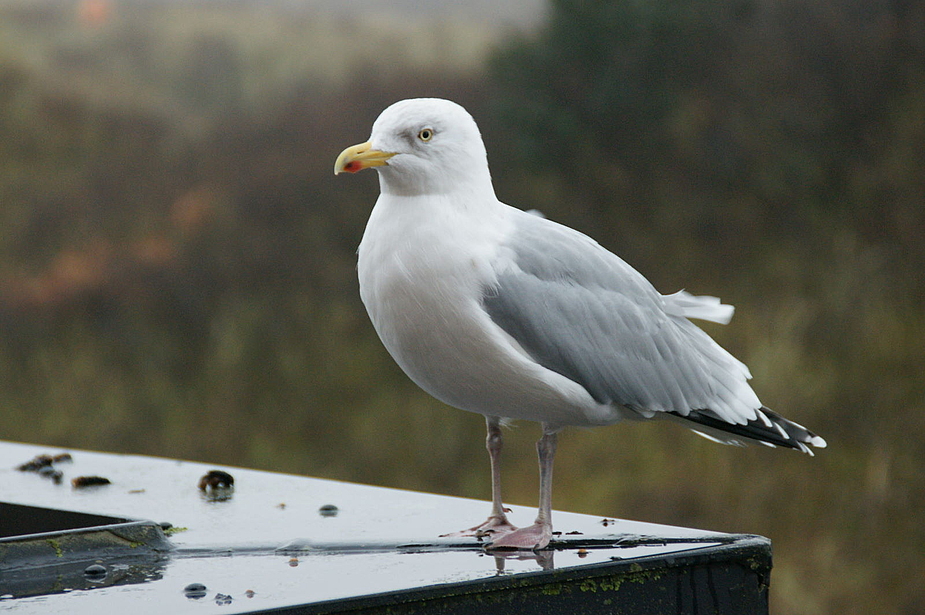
422 146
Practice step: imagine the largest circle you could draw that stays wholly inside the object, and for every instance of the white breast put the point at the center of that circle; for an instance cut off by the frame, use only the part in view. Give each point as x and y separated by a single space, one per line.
422 275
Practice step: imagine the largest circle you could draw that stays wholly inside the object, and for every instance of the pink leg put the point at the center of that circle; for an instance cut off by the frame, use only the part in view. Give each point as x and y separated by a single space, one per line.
537 535
497 523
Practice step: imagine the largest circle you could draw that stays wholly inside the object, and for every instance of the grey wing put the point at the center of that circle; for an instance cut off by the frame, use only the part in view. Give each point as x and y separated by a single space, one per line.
584 313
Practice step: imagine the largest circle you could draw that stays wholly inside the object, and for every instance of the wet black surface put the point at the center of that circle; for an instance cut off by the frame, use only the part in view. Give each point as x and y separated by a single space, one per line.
280 545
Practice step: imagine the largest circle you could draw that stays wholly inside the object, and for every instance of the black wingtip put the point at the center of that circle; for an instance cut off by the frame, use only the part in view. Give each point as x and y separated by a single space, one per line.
768 428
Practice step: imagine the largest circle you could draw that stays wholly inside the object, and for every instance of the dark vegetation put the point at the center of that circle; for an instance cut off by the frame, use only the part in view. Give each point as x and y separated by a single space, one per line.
177 259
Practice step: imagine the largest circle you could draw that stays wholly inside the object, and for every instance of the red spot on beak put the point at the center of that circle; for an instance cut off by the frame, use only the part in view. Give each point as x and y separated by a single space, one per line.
353 167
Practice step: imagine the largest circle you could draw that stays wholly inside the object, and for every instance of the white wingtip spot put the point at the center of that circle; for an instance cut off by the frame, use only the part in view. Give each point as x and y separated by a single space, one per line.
764 419
782 431
818 442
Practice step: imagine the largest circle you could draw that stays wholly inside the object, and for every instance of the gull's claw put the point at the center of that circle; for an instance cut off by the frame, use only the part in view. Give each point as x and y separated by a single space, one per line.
494 526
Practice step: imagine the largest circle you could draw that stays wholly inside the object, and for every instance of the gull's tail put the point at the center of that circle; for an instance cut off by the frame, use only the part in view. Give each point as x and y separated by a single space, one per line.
702 307
769 428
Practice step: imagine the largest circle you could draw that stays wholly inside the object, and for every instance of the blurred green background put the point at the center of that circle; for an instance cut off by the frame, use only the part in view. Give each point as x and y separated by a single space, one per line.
177 259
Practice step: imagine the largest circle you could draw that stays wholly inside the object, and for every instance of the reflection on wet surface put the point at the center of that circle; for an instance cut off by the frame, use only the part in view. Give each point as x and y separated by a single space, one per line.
279 541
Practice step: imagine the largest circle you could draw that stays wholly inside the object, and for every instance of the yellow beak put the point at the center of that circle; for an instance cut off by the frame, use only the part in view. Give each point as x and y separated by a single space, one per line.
358 157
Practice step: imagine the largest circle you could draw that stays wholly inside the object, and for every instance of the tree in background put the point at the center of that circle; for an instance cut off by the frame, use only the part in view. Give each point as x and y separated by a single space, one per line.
732 118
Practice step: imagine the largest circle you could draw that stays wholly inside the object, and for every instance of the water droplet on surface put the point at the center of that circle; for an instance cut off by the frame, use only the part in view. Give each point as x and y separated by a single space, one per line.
95 572
195 591
328 510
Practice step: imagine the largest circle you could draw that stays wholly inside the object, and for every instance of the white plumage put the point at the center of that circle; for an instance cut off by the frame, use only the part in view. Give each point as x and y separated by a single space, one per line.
497 311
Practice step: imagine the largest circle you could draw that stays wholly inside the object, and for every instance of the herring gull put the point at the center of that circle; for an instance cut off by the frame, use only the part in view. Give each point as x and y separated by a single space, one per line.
498 311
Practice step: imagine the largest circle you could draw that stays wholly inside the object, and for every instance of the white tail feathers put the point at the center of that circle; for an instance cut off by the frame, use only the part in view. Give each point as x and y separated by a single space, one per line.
702 307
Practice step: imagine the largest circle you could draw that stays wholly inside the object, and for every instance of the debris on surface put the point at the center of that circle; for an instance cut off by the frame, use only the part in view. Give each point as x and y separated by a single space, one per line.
43 465
81 482
216 479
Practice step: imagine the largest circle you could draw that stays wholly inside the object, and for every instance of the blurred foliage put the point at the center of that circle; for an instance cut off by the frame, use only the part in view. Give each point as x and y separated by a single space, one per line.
177 260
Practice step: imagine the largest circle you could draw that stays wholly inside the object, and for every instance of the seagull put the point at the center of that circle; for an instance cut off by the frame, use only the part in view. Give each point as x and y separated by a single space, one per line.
505 313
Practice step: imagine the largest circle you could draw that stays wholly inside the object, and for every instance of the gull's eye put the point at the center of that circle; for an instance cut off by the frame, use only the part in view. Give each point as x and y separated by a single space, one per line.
426 134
